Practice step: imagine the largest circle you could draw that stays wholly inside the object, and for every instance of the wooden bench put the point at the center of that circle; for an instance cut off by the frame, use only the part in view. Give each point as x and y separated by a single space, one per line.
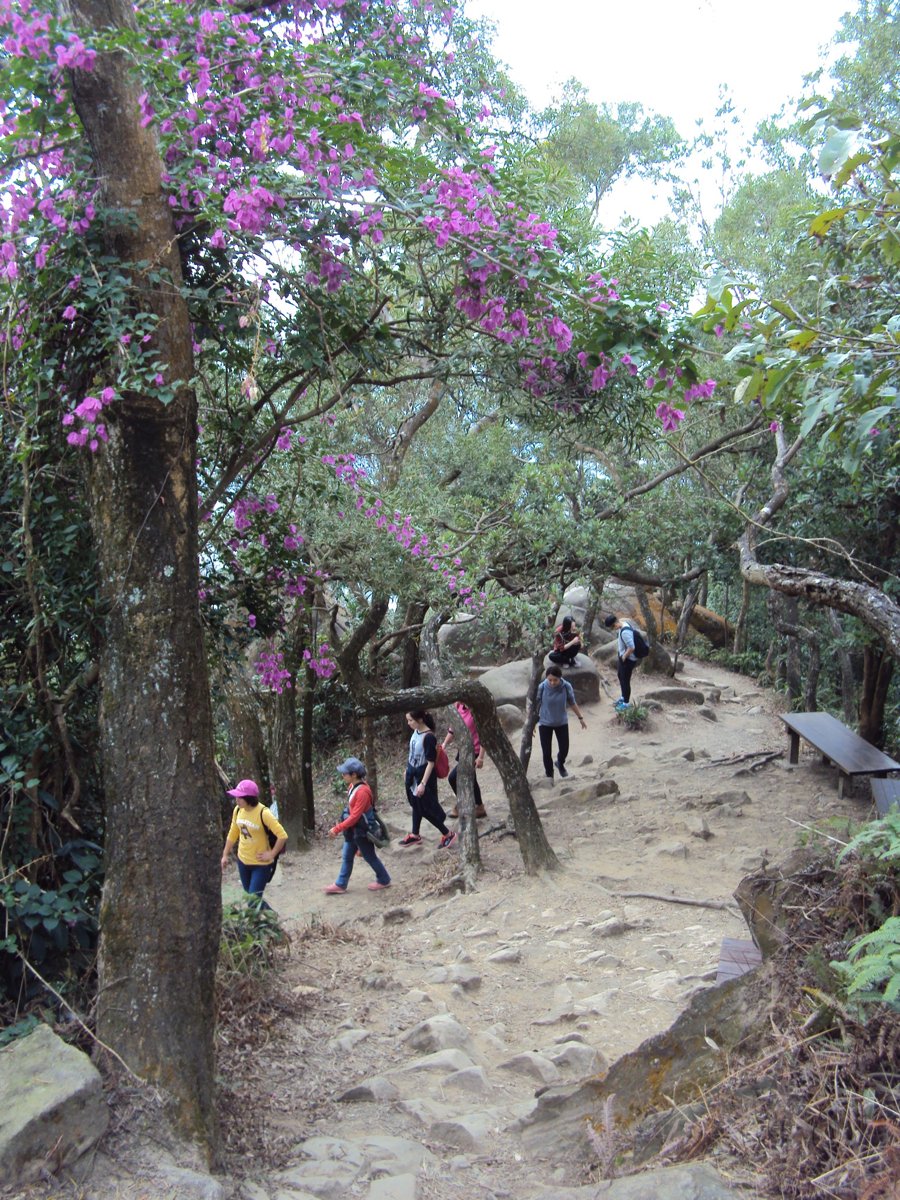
885 793
839 745
736 958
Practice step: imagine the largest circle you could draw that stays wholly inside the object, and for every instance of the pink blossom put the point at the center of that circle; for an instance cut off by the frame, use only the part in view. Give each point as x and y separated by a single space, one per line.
670 417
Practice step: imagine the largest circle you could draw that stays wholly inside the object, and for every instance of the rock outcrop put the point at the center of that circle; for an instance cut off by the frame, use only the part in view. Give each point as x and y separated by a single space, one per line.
52 1107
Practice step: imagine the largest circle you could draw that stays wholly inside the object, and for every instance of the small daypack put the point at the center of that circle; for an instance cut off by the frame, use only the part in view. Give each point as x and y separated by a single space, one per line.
641 645
441 763
373 828
376 830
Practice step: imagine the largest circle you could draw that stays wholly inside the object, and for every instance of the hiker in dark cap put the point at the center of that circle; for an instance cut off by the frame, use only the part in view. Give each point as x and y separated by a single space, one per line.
354 827
626 657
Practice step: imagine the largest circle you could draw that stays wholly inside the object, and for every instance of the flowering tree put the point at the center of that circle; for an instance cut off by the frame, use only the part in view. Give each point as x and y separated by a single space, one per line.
266 207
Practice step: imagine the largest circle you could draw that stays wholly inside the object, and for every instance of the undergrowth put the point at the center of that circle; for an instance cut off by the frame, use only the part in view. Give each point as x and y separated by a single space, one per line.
817 1110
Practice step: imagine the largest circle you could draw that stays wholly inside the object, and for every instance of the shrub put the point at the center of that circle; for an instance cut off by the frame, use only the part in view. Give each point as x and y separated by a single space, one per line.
252 937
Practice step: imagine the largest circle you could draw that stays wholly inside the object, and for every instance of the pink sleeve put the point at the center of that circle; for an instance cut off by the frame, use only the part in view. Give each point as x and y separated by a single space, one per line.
469 721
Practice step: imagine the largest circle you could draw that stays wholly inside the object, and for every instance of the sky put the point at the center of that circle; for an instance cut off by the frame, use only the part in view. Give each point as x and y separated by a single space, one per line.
669 55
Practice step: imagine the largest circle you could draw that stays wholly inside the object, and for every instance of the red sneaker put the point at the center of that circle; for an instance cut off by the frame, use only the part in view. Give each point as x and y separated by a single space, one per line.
411 839
378 887
447 841
334 890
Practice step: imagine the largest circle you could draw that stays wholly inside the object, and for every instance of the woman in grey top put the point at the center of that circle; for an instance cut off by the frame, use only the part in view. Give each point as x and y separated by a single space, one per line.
554 698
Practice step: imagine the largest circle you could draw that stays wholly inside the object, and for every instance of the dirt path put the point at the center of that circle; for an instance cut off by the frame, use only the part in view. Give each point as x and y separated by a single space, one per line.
531 980
421 1023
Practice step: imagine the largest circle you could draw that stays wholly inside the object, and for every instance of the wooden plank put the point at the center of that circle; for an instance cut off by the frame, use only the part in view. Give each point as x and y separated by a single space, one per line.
885 793
736 958
846 749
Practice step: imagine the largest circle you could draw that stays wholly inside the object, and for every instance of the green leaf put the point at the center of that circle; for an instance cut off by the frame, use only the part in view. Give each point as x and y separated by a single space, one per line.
801 340
825 220
839 146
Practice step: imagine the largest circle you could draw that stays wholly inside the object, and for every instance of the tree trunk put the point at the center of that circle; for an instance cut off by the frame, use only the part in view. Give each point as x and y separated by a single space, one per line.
306 751
411 674
531 711
845 665
878 670
739 645
792 670
160 913
370 753
470 852
248 744
714 628
684 620
288 757
287 780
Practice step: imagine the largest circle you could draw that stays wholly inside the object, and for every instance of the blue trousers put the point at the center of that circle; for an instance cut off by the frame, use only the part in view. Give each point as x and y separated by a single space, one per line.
367 850
254 880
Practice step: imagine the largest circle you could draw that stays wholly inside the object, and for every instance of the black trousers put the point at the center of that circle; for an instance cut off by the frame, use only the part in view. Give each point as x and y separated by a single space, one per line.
625 670
451 779
546 732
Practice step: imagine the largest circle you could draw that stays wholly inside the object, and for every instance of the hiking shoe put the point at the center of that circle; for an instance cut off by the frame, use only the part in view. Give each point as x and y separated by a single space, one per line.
563 773
334 889
620 705
379 887
479 811
447 841
454 815
411 839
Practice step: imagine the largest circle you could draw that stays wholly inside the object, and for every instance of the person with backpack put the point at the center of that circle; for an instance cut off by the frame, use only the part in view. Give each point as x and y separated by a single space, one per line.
566 644
253 827
555 696
630 648
421 780
354 825
468 719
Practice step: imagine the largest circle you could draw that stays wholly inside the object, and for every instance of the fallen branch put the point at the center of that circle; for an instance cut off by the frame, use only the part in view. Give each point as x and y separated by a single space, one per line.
764 756
675 899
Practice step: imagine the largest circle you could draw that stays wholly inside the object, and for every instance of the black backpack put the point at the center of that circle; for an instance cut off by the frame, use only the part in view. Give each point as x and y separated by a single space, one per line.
641 646
273 837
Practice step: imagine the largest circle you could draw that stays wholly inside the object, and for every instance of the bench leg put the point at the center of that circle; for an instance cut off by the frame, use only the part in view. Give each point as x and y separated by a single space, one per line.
794 754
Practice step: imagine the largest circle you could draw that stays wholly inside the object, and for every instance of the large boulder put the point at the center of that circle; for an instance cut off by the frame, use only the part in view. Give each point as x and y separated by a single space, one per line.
675 695
469 639
583 677
668 1071
52 1107
771 898
508 684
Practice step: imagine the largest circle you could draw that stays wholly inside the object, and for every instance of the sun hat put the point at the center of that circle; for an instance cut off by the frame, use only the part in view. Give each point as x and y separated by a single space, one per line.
245 788
352 766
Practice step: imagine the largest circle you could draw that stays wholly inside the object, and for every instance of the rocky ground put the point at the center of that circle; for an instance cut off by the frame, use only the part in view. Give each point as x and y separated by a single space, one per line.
422 1022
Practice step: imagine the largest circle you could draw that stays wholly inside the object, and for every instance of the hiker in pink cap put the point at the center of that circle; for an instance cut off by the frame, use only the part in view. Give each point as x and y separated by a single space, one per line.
251 824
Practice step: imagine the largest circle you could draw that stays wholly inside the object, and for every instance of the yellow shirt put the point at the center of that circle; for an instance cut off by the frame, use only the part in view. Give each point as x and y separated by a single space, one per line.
247 830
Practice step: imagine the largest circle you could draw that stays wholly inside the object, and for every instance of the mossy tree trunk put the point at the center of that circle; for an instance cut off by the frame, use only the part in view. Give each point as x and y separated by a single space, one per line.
160 913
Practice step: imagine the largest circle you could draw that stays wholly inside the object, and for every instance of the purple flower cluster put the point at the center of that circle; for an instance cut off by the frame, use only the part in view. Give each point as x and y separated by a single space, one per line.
271 671
92 431
401 529
321 661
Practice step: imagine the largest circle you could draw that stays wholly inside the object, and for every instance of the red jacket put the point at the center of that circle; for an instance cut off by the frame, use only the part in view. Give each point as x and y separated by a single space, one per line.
360 800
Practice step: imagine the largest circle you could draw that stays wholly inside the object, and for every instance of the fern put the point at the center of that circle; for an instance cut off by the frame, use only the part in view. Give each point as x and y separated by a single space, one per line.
872 970
878 841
